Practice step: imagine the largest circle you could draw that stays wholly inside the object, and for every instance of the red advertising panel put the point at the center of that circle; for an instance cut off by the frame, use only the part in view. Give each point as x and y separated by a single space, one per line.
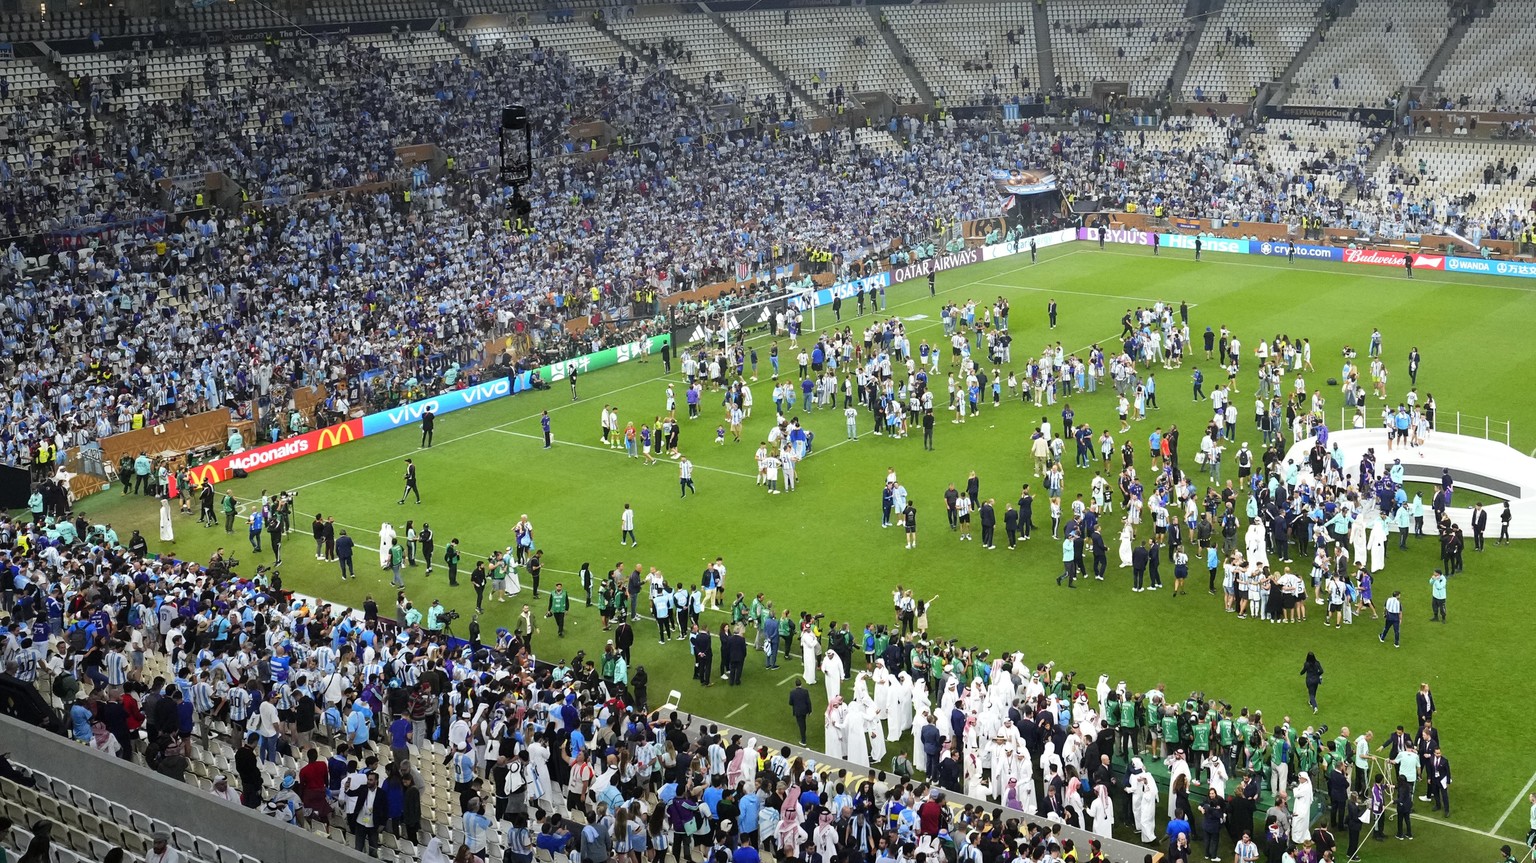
255 459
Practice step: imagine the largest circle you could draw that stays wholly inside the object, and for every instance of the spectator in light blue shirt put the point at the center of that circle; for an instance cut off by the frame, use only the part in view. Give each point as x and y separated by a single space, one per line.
80 722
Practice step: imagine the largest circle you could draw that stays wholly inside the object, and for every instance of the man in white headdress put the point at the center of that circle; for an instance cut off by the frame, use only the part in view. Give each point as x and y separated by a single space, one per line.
1144 804
1101 812
1378 543
1254 543
1103 692
975 783
948 698
832 673
921 701
874 731
882 678
999 688
1177 766
809 645
1301 805
1216 773
900 719
167 524
920 747
1359 537
386 539
1021 768
855 728
835 720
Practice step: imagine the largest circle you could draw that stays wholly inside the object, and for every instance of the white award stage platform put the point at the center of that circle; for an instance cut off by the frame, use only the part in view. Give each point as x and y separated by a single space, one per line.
1475 464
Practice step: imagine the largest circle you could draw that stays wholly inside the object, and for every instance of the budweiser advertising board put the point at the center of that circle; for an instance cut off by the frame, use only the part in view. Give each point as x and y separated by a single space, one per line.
1379 258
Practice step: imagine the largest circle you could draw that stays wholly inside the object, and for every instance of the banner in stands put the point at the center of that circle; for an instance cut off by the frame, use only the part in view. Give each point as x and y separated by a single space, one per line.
1314 253
255 459
1378 258
1367 116
604 358
1021 182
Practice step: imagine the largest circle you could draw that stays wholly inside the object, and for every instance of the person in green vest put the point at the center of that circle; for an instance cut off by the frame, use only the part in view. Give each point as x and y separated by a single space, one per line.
125 473
229 506
1170 731
761 611
1226 738
1127 722
609 657
396 560
1279 760
1200 742
1306 755
452 557
739 608
559 601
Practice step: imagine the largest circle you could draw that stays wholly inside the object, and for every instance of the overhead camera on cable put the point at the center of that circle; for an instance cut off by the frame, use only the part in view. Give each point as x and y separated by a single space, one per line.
516 158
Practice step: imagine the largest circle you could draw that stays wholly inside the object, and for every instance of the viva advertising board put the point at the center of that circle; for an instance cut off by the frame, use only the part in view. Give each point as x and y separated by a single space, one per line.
603 359
448 402
260 457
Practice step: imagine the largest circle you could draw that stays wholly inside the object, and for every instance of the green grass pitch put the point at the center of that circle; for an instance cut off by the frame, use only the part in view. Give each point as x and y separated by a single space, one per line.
822 548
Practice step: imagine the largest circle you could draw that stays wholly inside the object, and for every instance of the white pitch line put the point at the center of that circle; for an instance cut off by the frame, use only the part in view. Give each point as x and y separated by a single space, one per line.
736 711
1072 293
467 435
650 381
620 451
1462 827
1520 798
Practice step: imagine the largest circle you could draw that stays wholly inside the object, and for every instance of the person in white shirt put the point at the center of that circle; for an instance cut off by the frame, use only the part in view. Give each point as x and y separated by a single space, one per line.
627 527
161 851
222 790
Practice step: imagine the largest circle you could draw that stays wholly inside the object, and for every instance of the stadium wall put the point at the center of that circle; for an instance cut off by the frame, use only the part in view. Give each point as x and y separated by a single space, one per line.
165 799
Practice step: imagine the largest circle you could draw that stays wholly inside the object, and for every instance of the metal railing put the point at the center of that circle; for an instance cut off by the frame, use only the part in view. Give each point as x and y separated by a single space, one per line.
1450 422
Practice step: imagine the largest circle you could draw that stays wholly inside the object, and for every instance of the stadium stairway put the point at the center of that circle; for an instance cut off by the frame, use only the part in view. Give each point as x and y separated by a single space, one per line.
1196 12
634 52
1442 56
752 51
1279 94
924 92
1043 56
45 61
